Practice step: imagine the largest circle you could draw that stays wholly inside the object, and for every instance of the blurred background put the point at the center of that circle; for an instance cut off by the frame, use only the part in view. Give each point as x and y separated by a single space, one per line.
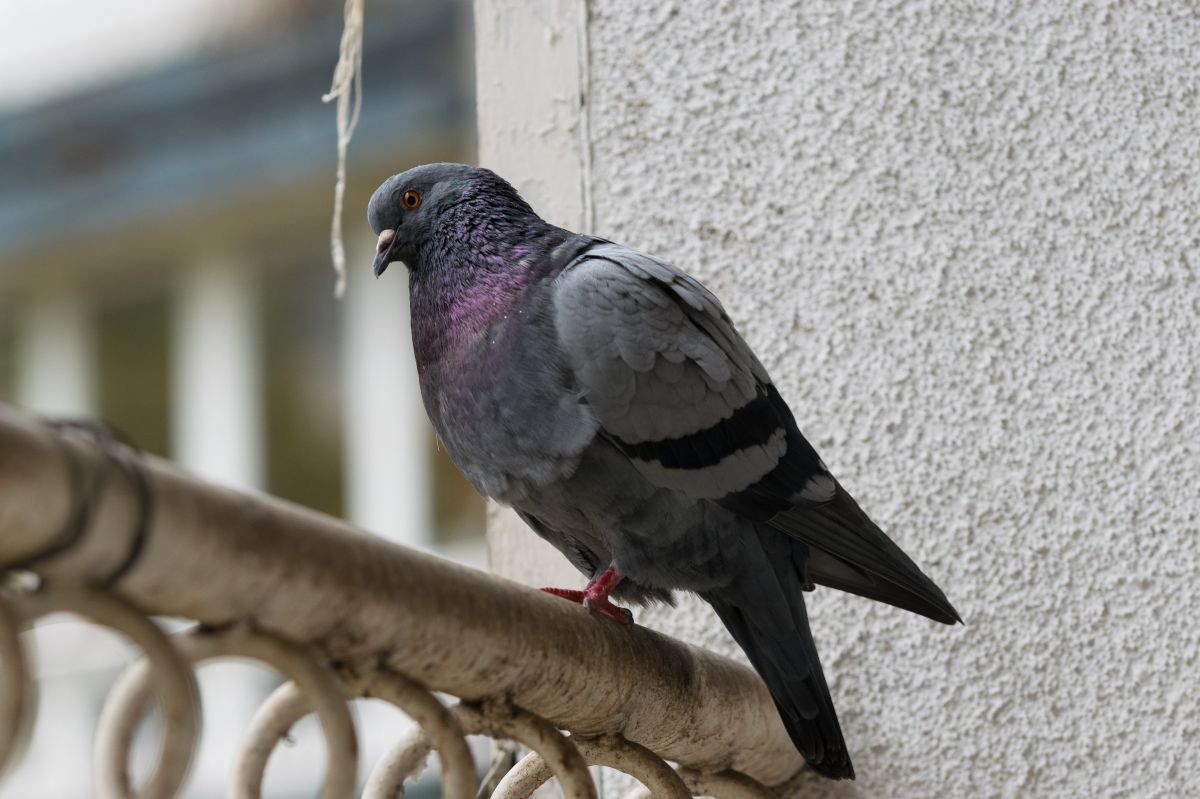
166 184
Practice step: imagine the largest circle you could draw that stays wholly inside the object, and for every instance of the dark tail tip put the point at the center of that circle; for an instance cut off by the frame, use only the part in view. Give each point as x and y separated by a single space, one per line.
837 769
819 739
792 672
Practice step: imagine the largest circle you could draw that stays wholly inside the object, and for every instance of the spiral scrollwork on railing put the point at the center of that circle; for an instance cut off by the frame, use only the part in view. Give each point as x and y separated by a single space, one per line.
611 751
166 673
436 726
170 679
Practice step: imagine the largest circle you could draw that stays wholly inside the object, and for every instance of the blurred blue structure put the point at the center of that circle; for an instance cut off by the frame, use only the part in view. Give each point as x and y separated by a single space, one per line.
246 125
164 263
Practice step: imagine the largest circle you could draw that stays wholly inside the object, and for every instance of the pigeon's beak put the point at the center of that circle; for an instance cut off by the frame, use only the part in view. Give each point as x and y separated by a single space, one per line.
383 251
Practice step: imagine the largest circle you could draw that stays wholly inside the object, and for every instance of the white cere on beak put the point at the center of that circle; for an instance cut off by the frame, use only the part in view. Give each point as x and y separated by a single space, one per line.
385 238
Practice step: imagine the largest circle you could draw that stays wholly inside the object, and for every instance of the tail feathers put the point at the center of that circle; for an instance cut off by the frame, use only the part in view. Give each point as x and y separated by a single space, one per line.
786 659
850 553
827 570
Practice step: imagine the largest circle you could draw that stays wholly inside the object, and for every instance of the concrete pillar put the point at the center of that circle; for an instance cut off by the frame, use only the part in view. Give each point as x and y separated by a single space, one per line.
386 434
216 373
55 356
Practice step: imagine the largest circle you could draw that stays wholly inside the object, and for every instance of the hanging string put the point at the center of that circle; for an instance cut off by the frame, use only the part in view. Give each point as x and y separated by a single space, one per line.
347 90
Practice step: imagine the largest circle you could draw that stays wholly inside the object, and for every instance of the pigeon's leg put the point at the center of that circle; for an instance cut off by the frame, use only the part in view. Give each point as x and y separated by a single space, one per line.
594 596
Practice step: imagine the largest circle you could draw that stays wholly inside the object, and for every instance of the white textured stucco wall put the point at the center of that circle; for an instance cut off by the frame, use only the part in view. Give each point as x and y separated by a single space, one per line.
966 244
965 240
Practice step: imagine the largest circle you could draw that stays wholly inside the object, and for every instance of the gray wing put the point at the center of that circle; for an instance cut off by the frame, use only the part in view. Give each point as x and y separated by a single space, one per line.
678 391
669 379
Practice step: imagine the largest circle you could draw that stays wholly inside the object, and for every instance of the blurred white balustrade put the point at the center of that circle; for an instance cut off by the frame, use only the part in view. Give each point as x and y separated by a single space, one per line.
164 266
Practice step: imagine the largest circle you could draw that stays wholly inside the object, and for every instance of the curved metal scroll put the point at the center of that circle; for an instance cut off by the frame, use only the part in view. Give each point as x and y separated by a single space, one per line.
611 751
502 720
658 778
435 724
498 720
288 704
129 697
171 680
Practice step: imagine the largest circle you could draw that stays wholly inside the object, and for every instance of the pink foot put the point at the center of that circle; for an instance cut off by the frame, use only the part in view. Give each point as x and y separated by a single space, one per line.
594 597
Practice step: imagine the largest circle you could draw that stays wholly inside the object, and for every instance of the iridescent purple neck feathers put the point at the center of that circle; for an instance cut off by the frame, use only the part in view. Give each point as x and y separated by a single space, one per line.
478 264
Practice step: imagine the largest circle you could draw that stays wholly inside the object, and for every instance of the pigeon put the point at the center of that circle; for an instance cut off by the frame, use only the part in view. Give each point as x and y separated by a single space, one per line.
605 395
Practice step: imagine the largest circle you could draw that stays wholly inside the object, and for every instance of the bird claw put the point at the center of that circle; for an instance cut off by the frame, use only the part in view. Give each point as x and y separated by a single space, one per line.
569 594
594 597
602 606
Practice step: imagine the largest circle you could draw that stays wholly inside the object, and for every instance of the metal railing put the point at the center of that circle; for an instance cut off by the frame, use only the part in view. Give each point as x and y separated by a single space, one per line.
91 527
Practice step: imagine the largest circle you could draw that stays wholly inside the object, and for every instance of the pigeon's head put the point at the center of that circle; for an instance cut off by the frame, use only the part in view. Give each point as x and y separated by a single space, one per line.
409 209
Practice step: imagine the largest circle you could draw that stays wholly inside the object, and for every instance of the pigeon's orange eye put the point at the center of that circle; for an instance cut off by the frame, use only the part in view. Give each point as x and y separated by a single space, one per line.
411 199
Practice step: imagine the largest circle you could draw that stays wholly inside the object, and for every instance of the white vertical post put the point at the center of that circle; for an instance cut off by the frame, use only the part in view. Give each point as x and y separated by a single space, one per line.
387 437
55 355
530 72
216 409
